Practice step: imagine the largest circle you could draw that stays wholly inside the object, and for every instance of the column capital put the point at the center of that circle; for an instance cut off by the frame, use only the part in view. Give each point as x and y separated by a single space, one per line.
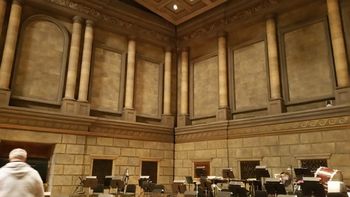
222 34
18 2
271 16
77 19
89 22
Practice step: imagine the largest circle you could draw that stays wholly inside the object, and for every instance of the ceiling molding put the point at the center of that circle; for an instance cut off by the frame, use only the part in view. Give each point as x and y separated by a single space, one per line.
176 11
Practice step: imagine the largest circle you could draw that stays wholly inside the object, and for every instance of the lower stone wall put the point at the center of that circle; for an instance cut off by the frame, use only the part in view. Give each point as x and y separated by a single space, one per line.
277 152
73 154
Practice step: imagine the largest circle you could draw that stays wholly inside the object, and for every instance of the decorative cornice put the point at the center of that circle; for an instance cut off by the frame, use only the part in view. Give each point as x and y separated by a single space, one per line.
113 20
218 25
43 121
297 122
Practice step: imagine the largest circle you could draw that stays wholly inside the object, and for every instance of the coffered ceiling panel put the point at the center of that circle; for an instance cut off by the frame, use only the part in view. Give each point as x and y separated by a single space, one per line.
179 11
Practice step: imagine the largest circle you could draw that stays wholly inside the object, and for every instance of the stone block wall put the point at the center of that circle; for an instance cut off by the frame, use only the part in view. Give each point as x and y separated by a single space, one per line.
277 152
73 154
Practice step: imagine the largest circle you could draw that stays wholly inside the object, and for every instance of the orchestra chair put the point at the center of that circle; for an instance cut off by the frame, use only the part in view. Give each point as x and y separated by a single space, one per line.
130 190
260 193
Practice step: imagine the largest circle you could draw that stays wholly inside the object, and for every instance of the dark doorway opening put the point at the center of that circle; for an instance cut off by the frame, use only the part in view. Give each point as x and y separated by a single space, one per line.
39 155
150 168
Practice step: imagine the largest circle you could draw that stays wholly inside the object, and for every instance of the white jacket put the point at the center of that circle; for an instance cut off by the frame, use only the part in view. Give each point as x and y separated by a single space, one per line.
18 179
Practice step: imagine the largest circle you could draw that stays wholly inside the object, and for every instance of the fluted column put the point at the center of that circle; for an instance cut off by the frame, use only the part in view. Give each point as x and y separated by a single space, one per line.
184 83
86 61
130 75
73 58
275 101
275 86
10 44
2 13
167 83
222 60
339 52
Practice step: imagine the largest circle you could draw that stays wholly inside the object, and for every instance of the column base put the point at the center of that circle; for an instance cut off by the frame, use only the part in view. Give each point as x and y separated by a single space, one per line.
168 120
75 107
129 115
342 96
5 98
183 120
275 106
223 113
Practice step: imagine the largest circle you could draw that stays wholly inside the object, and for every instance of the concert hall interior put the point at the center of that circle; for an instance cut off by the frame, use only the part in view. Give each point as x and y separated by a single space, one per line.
174 96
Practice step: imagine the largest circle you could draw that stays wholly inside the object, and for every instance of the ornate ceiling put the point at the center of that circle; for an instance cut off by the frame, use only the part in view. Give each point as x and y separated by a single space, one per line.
179 11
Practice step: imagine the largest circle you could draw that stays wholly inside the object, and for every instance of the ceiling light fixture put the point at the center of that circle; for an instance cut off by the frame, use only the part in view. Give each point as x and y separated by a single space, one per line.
175 7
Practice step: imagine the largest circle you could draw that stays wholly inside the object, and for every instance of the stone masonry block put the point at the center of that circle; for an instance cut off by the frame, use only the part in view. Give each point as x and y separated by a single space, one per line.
181 155
289 139
103 141
112 151
58 169
244 152
128 152
81 139
323 148
69 139
91 140
121 142
336 135
97 150
168 154
143 153
136 144
253 141
157 154
122 160
60 148
217 144
73 169
203 145
79 159
188 146
311 137
62 180
205 154
235 143
340 160
301 149
64 159
342 147
269 140
75 149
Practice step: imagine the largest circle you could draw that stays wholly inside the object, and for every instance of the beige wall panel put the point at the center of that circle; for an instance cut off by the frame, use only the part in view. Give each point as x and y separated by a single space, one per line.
38 73
239 35
106 80
150 51
308 64
205 87
203 48
345 6
111 40
147 88
250 76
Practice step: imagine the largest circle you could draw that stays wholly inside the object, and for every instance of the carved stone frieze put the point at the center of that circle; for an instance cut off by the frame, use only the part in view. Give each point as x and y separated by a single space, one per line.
114 20
336 118
70 124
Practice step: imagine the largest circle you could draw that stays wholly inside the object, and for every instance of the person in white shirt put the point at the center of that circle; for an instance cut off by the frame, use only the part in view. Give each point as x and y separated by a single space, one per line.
18 179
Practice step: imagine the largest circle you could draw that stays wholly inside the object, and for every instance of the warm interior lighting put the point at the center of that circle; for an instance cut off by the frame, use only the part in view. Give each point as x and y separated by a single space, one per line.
175 7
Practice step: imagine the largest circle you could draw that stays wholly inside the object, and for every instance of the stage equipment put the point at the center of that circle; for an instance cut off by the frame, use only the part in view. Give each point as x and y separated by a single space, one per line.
274 186
336 189
327 174
311 186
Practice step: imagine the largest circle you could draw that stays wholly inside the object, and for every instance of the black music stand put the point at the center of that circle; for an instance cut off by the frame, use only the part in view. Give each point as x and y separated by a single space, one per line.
90 182
274 188
302 172
189 181
228 173
200 172
259 174
315 188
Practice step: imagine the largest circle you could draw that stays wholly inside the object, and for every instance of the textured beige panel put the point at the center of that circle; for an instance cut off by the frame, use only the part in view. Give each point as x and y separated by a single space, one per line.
147 88
250 76
40 62
110 39
308 64
346 23
205 87
150 51
106 80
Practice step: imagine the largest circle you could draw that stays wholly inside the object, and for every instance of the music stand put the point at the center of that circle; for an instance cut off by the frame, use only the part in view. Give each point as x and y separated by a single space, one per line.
274 187
200 172
228 173
302 172
90 182
309 188
260 173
